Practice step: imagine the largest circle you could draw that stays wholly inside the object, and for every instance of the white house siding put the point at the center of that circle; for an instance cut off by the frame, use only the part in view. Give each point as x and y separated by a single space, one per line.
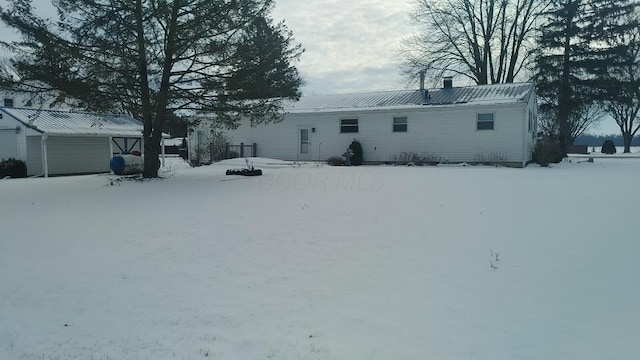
8 139
13 143
8 143
34 155
445 132
74 155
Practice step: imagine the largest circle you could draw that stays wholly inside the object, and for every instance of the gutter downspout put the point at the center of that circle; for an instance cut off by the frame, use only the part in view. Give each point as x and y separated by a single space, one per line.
45 158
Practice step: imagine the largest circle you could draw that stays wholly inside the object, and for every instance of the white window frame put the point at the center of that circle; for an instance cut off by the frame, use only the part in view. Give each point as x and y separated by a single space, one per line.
349 126
492 121
406 124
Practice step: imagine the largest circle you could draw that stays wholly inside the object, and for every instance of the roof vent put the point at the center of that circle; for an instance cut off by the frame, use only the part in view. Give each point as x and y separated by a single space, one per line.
448 82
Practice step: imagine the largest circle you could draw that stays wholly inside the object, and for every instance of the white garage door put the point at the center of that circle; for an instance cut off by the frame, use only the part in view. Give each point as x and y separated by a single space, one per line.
78 155
8 144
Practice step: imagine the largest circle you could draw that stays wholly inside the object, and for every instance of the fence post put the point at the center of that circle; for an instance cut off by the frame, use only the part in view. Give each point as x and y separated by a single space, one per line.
255 150
241 150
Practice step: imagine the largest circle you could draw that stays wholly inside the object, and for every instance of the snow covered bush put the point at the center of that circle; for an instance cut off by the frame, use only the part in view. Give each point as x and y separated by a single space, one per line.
608 147
357 158
336 161
199 156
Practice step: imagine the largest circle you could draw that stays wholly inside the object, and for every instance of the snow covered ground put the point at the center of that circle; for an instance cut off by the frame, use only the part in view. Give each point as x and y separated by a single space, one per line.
317 262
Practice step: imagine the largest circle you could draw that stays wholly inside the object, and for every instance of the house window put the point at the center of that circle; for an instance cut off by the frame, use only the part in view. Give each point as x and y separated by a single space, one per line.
400 124
8 102
349 126
485 121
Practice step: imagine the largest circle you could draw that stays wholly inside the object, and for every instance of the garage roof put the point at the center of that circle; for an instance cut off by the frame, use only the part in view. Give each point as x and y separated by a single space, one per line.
58 122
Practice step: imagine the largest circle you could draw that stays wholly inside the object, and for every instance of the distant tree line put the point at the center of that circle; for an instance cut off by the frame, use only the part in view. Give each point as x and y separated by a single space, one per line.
597 140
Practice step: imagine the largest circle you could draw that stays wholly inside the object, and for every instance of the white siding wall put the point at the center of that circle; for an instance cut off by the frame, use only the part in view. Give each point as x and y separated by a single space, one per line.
445 132
74 155
12 142
8 138
8 144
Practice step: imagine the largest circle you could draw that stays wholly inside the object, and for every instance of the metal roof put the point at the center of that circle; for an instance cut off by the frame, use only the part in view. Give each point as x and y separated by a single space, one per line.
469 95
76 123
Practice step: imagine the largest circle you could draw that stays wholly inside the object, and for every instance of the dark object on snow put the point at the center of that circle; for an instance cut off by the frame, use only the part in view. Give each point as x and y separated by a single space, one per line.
244 172
608 147
356 148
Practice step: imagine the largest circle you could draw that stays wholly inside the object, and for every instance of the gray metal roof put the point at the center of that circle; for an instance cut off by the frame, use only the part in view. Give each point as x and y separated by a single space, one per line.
470 95
76 123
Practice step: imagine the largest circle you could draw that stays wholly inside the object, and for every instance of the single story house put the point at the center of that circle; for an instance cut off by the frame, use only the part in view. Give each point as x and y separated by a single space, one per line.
54 142
475 124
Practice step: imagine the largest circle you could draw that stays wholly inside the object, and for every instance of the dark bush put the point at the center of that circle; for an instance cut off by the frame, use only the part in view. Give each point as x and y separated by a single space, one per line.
336 161
13 168
608 147
357 153
547 151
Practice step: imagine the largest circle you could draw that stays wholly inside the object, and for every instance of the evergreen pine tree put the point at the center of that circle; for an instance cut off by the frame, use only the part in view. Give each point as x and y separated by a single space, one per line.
576 49
558 63
157 58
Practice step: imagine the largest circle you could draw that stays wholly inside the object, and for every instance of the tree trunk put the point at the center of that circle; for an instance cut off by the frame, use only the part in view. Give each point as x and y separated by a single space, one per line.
151 157
150 151
627 137
565 105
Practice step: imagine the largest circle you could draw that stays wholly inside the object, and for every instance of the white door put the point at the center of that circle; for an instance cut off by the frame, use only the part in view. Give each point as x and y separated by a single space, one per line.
304 143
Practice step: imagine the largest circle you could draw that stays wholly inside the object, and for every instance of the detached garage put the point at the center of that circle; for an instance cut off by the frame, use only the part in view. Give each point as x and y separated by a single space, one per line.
61 142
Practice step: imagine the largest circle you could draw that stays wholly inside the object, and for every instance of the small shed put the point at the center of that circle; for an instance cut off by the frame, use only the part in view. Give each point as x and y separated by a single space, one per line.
53 142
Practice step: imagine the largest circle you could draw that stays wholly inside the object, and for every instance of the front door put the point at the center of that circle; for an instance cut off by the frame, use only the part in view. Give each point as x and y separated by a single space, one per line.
304 143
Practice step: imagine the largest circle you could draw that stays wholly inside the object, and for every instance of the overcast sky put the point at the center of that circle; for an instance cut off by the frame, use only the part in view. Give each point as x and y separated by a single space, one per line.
350 44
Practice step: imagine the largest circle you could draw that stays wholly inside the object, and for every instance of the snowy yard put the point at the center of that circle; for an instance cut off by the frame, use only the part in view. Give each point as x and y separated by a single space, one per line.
318 262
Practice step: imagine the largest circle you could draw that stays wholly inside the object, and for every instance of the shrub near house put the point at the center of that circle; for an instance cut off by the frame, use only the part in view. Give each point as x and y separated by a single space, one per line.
608 147
13 168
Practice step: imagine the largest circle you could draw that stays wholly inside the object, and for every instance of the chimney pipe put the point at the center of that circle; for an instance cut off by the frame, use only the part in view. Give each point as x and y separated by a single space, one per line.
448 82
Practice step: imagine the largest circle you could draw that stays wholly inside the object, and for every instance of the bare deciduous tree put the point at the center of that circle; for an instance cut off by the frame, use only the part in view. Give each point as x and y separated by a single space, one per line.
487 41
621 81
581 120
